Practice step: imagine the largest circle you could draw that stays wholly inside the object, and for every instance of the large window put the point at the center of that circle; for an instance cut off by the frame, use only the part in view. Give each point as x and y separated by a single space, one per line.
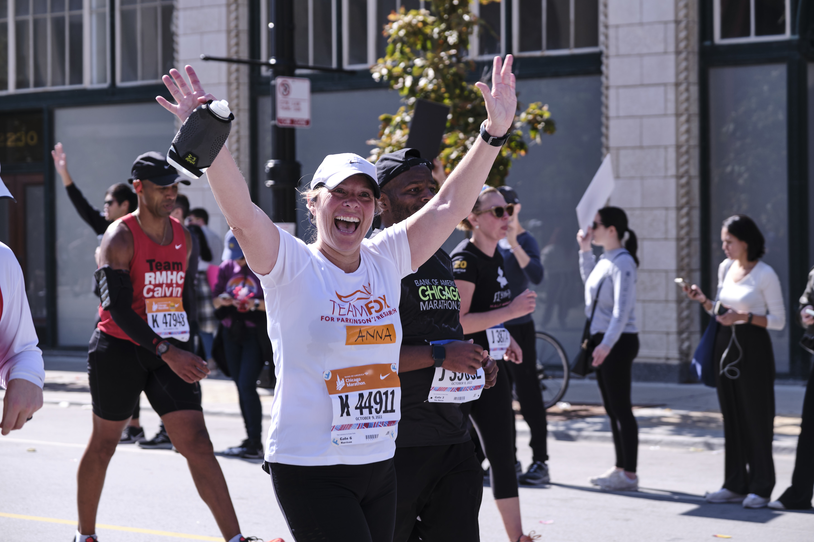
555 26
314 22
749 20
145 45
749 168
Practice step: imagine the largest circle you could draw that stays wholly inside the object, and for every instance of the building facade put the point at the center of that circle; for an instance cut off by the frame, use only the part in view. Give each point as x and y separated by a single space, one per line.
704 105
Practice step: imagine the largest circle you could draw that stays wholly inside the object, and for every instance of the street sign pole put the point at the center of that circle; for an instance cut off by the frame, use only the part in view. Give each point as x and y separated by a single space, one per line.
282 171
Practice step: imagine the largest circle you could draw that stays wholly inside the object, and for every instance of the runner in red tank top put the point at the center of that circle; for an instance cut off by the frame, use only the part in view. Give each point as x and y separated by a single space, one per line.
139 345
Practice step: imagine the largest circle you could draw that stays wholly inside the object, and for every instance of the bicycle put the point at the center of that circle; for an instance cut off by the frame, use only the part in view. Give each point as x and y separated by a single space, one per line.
553 369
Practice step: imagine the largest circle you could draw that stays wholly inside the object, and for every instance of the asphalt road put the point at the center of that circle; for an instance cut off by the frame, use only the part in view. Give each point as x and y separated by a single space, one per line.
149 495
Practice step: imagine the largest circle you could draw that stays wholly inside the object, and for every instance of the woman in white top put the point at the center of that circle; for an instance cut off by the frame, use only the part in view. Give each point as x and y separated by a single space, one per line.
750 303
333 320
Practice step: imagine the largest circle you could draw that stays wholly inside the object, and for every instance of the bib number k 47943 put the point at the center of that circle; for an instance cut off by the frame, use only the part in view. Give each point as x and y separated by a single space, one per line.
166 316
365 403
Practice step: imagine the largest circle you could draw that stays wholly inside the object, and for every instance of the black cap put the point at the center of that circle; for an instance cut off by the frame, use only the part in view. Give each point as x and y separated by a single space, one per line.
153 167
393 164
508 194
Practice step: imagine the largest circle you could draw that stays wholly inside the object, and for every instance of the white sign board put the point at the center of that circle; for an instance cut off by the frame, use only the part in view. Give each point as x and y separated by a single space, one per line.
597 194
293 98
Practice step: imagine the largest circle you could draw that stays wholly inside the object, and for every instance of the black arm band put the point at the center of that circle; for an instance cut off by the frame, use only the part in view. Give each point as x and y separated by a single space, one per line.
116 294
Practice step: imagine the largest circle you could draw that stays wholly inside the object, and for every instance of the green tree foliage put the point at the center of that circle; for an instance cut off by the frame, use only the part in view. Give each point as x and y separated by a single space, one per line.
426 58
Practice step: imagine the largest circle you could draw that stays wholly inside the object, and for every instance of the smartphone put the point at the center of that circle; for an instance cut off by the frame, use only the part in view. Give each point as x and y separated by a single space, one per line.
810 312
681 282
719 308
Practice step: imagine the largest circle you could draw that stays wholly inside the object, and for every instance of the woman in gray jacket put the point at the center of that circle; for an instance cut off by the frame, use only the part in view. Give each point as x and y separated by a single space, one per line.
612 282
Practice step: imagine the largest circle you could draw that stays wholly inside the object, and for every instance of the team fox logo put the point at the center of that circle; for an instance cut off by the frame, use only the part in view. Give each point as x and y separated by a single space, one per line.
363 294
360 303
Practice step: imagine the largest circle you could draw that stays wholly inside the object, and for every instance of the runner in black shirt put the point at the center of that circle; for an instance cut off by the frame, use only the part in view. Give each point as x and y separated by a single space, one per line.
486 302
438 477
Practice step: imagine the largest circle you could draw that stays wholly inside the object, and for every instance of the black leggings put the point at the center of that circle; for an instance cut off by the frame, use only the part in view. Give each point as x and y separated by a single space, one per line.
524 378
493 419
614 377
340 503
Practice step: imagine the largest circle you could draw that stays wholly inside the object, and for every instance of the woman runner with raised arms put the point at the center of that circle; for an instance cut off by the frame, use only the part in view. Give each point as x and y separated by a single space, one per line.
333 320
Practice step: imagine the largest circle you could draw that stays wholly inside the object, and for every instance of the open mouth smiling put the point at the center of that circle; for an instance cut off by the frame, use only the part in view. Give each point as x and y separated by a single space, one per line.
347 224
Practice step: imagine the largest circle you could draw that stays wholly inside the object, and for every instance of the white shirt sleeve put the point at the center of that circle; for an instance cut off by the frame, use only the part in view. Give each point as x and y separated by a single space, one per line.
393 244
19 355
776 310
292 258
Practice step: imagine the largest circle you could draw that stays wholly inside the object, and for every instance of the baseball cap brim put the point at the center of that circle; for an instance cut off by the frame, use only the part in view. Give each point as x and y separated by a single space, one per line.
344 174
165 180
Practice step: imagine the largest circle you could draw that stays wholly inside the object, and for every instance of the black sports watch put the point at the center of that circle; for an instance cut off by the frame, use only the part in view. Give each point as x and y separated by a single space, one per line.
439 354
490 139
162 348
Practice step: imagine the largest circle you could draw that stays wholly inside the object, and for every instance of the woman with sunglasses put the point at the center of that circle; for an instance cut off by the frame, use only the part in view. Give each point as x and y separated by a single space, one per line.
486 302
611 284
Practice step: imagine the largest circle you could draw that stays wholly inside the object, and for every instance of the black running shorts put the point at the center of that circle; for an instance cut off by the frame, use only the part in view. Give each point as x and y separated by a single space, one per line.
119 370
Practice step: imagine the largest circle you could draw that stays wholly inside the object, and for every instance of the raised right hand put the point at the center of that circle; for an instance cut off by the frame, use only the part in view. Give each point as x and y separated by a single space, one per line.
584 239
186 98
185 364
523 304
60 161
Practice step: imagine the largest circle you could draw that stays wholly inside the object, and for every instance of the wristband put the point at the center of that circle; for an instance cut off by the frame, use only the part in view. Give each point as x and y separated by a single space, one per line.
490 139
749 318
515 248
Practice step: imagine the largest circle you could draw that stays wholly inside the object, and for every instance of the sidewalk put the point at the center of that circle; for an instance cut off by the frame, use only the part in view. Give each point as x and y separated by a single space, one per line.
672 415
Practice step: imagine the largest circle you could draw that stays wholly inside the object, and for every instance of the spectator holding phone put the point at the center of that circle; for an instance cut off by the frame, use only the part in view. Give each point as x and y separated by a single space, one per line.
750 304
240 306
798 496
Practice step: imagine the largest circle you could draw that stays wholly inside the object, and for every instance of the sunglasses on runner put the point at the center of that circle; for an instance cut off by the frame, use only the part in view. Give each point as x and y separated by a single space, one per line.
596 225
110 201
498 212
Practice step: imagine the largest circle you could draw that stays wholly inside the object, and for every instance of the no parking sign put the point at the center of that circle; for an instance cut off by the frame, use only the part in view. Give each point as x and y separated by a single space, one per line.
293 98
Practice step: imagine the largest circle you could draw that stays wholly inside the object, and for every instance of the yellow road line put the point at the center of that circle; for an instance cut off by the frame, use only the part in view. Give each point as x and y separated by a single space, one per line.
115 528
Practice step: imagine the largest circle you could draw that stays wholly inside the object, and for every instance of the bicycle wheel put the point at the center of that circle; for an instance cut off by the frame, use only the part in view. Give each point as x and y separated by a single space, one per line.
553 371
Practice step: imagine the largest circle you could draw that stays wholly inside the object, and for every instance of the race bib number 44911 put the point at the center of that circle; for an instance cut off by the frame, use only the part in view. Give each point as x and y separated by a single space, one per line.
167 318
365 403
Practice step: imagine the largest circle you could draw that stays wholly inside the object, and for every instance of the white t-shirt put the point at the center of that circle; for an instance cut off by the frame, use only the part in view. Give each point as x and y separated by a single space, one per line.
19 355
313 309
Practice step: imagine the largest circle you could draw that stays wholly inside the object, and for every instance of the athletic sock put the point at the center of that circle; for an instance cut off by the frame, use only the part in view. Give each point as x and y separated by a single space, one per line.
84 537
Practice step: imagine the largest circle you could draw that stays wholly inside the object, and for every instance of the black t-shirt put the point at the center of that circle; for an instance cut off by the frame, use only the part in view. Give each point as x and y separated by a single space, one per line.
429 308
486 273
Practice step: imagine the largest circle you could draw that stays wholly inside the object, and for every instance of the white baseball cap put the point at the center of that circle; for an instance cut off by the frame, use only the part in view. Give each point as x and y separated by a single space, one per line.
338 167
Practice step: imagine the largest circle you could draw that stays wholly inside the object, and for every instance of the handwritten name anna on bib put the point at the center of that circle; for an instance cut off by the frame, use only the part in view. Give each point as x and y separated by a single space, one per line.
365 403
166 316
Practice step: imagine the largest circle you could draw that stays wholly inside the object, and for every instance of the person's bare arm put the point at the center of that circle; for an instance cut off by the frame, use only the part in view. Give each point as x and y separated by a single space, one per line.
21 401
461 357
428 228
254 230
474 322
61 165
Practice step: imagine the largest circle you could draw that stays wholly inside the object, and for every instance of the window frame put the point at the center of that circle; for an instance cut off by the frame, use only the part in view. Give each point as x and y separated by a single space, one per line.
752 38
265 43
474 39
87 38
571 50
118 44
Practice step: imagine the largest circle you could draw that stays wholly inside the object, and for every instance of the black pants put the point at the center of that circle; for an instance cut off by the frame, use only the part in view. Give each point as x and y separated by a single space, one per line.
340 503
614 377
747 406
527 387
493 419
441 485
799 495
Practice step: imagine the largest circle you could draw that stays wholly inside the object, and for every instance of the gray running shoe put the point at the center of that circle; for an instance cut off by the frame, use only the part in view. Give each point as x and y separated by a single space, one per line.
132 435
537 475
248 449
161 441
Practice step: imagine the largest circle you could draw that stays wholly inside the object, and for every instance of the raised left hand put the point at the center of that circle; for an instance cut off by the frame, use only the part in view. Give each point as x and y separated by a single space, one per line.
21 401
186 98
600 353
501 100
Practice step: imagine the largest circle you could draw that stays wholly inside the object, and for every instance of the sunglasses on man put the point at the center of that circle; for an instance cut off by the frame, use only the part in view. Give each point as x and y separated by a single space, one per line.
498 212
